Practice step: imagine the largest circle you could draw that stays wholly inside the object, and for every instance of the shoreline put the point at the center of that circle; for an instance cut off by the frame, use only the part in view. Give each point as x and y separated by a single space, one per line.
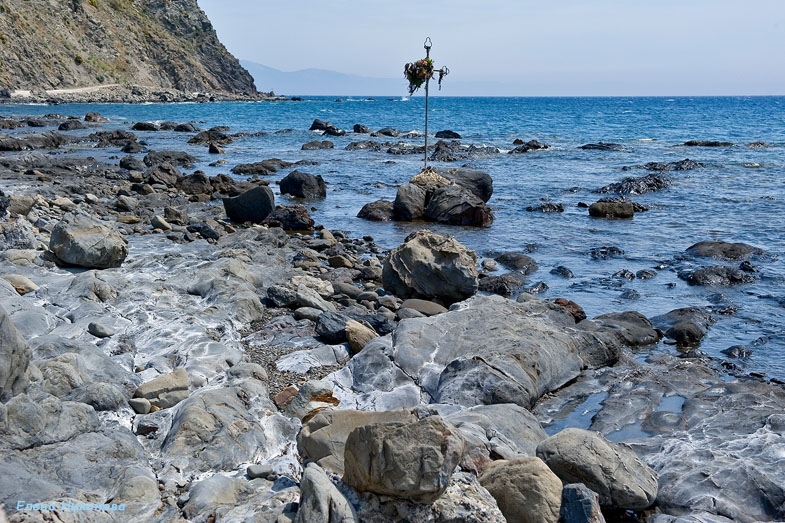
223 303
125 94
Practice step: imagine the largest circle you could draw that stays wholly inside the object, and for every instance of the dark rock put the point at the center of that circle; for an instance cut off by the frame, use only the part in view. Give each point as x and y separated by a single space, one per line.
723 250
686 326
378 211
546 207
185 128
164 173
214 148
294 218
264 167
361 129
5 202
145 126
531 145
71 125
612 208
205 230
603 146
681 165
214 135
109 138
707 143
303 185
195 184
251 206
643 185
455 205
132 163
173 157
605 252
365 145
331 327
448 135
580 504
95 117
515 261
132 147
478 182
317 145
409 204
504 285
717 275
575 310
387 131
562 272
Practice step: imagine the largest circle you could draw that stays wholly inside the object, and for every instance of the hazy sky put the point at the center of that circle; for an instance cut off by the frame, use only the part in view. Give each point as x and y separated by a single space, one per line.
568 47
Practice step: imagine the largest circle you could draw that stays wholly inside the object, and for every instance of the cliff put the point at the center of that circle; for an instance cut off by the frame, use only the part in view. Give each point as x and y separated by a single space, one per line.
76 45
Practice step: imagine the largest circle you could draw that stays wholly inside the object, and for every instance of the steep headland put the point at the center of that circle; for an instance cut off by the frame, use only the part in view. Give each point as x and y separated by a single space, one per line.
138 46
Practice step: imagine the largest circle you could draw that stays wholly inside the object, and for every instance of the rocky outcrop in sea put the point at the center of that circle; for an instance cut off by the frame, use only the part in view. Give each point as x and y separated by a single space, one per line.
171 353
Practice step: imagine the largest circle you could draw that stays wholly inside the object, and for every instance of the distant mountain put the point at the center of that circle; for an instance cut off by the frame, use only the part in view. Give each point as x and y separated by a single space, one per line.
320 82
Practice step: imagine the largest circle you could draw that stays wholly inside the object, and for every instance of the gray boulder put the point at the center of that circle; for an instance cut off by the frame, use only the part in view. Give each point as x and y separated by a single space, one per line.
612 470
303 185
413 461
612 208
79 240
525 489
477 182
378 211
15 355
252 206
321 501
17 233
717 275
323 437
431 265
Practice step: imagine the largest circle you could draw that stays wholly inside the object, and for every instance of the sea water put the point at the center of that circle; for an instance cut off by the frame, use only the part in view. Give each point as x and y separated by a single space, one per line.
738 196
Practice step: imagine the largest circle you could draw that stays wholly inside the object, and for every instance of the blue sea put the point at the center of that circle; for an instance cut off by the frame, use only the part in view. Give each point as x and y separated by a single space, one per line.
738 196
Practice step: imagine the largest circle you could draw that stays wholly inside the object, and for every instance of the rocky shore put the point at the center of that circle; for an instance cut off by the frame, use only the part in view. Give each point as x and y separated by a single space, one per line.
177 347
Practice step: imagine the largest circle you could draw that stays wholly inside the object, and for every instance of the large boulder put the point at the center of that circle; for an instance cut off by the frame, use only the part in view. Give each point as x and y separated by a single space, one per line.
723 250
323 437
456 205
15 355
431 265
290 218
303 185
80 240
478 182
413 461
612 470
251 206
409 204
525 489
378 211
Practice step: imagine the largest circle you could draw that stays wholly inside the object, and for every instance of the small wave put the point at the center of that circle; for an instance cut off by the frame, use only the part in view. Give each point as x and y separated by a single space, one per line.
647 139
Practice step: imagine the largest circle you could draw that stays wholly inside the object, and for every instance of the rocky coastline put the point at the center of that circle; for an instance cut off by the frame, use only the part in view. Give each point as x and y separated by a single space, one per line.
178 347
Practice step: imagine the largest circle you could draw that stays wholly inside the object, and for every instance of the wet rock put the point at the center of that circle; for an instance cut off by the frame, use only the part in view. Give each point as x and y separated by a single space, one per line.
378 211
575 310
409 204
612 208
431 265
723 250
707 143
562 272
447 134
132 163
71 125
681 165
317 145
646 184
612 470
515 261
603 146
163 173
717 275
686 326
145 126
79 240
215 495
95 117
215 135
303 185
504 285
632 328
321 500
531 145
477 182
180 158
251 206
361 129
264 167
525 489
413 461
455 205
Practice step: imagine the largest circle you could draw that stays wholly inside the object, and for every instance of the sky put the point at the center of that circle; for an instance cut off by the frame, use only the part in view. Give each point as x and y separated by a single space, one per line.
523 48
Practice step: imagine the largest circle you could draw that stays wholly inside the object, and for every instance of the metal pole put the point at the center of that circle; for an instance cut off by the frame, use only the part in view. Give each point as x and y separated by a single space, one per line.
427 79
